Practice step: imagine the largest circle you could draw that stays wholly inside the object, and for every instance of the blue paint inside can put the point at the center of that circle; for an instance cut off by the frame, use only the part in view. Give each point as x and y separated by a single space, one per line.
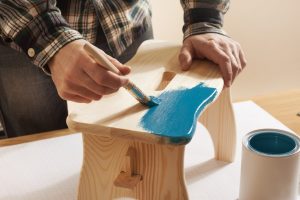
273 143
176 115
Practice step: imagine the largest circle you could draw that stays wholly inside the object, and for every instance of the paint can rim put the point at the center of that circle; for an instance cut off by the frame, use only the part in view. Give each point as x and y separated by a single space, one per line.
247 138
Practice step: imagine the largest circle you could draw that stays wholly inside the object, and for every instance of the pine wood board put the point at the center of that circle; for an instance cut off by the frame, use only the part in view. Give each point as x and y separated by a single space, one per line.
284 106
153 68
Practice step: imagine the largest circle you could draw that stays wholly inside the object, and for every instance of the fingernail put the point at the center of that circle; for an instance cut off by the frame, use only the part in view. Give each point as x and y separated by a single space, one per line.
127 66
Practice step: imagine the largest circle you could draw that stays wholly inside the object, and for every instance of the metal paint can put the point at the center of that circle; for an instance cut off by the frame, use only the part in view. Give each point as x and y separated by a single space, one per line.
270 165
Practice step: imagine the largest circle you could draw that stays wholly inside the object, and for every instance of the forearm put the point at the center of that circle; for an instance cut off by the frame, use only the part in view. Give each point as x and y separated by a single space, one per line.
203 16
37 27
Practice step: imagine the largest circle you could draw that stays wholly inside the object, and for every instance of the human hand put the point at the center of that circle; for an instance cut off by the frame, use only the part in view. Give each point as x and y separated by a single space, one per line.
223 51
79 78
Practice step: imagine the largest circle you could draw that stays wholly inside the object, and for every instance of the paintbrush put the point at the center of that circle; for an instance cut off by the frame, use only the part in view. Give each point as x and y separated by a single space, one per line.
130 87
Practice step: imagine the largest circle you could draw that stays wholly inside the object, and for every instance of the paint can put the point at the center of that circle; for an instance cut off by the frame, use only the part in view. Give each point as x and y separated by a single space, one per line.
270 165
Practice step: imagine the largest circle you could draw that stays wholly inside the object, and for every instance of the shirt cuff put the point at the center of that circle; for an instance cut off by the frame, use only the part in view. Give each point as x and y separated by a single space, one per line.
43 36
42 57
202 20
201 28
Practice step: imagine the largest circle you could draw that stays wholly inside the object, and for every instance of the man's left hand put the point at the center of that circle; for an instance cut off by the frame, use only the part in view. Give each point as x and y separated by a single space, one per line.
222 50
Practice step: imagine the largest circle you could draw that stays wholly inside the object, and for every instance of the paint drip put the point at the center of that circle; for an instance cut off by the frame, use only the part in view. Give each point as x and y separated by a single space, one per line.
176 115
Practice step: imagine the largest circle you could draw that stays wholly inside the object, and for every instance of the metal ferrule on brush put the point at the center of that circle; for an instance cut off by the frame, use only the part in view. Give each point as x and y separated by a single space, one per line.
137 93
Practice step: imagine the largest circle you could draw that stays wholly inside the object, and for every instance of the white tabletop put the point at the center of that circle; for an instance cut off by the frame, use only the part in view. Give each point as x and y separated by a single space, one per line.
49 169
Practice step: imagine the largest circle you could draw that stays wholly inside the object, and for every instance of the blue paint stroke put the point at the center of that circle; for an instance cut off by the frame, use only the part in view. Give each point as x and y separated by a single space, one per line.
176 115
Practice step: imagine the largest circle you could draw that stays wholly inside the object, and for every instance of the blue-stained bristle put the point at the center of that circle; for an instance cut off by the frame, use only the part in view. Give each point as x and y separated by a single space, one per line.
154 101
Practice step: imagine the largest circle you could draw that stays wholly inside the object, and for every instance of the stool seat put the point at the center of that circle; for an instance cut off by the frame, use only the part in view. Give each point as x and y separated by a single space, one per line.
137 152
156 70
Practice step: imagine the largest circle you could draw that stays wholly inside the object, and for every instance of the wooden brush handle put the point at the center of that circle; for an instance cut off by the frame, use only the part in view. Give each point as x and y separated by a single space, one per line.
100 58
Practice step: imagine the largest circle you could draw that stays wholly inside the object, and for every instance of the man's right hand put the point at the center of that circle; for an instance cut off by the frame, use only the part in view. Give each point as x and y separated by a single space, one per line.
79 78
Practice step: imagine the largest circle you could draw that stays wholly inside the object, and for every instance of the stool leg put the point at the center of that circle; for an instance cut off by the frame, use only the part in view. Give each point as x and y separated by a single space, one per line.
163 172
219 120
102 161
107 159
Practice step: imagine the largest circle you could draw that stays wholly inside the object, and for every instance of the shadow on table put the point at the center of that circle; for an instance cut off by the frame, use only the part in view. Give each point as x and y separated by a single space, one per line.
202 170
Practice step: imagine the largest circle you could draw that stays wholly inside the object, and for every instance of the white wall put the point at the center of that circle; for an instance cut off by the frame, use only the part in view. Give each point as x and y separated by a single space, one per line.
269 32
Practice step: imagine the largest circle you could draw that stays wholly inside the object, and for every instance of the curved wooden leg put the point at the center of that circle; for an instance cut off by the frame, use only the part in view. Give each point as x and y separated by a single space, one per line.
114 168
219 120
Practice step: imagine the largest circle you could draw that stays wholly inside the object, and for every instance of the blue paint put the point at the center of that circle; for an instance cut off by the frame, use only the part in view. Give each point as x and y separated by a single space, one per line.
154 101
176 115
273 143
141 97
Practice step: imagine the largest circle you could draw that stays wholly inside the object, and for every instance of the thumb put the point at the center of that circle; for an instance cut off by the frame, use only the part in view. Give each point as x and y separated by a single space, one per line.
124 69
185 57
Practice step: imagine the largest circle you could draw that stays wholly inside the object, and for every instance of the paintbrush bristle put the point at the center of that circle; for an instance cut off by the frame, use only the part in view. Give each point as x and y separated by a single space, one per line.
141 96
154 101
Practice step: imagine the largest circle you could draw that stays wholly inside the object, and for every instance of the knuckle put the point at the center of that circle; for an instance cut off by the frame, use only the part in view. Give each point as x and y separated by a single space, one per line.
226 60
212 44
235 65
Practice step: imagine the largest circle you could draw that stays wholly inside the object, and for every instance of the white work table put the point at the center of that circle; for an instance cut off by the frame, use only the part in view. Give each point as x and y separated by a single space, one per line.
49 169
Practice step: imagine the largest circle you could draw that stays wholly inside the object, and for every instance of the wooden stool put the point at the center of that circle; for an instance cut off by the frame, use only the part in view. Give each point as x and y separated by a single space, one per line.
126 157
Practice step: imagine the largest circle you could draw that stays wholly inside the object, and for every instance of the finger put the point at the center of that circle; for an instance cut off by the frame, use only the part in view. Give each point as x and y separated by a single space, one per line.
218 56
242 58
105 78
185 57
91 85
78 90
230 51
76 98
124 69
235 53
239 56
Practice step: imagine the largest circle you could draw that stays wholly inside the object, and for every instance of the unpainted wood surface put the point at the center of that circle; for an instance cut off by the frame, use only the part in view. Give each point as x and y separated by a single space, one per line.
156 65
219 120
284 106
160 166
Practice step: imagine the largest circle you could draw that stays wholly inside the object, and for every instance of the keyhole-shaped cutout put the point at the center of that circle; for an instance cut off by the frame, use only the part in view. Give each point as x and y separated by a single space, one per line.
167 77
127 177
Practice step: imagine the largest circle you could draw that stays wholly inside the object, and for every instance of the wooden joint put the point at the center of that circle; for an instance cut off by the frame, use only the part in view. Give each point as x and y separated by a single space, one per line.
127 177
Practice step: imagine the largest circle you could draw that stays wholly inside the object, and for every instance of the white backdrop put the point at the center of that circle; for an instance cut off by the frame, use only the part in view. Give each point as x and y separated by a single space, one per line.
269 32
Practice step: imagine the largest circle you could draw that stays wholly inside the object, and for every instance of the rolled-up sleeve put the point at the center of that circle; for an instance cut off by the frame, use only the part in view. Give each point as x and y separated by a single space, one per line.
37 27
203 16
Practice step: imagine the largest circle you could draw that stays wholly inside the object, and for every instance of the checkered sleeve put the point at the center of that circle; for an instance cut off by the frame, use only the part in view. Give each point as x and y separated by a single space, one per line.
37 27
203 16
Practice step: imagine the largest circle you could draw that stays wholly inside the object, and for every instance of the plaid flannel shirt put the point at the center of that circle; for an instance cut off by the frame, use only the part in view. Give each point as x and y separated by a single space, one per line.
41 27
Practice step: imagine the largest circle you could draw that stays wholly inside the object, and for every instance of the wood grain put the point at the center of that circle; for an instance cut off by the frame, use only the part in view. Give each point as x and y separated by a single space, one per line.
161 168
220 122
155 66
284 106
122 159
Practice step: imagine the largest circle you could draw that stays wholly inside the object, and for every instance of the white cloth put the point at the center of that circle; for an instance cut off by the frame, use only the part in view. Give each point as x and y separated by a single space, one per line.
49 169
